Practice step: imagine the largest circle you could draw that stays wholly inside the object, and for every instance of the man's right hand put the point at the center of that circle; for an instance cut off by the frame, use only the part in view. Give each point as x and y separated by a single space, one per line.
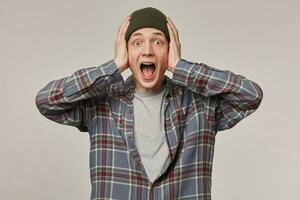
121 54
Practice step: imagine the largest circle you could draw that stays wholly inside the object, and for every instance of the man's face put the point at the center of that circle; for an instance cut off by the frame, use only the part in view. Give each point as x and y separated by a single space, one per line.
148 58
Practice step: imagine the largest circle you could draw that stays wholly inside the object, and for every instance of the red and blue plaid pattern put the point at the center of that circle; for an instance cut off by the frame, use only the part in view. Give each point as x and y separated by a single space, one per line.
200 101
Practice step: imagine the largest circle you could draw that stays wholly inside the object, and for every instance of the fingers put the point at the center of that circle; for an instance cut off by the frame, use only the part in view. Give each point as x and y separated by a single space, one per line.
123 28
175 47
121 57
173 31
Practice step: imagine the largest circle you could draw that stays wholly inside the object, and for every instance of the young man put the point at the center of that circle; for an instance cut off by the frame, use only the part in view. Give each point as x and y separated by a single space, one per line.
152 137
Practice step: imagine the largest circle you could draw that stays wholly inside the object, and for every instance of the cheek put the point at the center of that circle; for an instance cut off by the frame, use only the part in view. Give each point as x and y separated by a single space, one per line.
132 56
165 58
132 61
164 63
165 54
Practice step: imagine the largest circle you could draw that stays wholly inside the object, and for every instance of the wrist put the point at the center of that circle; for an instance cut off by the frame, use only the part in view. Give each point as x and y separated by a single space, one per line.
172 67
119 66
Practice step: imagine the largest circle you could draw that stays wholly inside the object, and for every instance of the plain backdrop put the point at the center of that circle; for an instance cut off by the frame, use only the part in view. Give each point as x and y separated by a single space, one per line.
45 40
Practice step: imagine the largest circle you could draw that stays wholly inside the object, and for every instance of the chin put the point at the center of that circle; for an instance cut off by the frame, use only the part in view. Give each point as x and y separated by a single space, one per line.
149 85
153 84
146 84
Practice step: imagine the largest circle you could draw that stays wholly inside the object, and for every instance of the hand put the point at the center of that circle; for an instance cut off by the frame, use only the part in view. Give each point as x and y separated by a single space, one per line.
174 46
121 55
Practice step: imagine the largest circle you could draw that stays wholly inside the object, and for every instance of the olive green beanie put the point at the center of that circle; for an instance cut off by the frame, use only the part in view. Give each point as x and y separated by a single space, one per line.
147 17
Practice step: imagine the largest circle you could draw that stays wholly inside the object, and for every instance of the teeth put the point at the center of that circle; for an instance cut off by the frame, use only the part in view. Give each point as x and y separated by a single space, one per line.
147 63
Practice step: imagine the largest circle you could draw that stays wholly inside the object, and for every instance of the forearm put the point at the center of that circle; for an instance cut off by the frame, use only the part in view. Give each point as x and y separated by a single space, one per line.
209 81
60 95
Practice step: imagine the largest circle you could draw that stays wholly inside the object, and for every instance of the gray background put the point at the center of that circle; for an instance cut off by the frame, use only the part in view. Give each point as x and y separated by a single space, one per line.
45 40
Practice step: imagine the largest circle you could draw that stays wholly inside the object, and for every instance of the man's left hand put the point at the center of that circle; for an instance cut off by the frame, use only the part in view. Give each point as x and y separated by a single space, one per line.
174 46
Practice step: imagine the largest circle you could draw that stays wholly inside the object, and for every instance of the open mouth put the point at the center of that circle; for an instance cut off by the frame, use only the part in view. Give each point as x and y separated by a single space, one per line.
147 69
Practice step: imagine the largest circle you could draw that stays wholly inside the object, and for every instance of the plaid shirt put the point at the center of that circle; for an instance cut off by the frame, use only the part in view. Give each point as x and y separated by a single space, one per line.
200 101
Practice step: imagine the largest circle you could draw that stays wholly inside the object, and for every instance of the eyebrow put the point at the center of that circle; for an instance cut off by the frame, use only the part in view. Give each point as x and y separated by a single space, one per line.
155 33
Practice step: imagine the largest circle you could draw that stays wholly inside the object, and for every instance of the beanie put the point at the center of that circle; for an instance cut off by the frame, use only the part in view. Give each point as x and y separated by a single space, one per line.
147 17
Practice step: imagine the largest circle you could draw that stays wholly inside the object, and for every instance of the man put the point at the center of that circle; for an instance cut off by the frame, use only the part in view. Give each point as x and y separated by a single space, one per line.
152 137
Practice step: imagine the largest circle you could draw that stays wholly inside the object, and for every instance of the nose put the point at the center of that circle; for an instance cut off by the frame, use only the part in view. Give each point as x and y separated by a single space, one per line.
147 49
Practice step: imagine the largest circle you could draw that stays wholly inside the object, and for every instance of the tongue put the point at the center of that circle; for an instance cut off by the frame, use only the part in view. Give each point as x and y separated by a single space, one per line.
148 71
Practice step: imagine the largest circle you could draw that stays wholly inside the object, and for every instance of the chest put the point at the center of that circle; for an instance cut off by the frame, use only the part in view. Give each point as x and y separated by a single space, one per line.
186 120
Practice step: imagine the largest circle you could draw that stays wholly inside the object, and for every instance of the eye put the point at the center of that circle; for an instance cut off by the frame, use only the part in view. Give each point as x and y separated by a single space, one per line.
158 42
137 43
